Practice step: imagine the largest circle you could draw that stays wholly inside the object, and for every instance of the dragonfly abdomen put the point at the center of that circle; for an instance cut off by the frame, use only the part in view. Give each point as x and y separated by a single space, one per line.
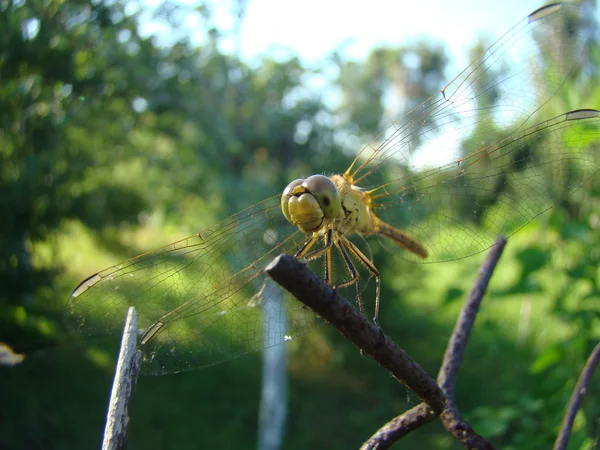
399 237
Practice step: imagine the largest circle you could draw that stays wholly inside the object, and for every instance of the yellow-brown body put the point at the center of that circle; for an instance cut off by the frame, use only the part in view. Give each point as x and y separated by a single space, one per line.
316 206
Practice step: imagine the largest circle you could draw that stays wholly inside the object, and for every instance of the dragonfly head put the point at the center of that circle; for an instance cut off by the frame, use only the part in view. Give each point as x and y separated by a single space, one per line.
310 203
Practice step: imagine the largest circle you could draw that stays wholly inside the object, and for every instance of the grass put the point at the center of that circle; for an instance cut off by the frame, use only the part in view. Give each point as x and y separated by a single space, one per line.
337 398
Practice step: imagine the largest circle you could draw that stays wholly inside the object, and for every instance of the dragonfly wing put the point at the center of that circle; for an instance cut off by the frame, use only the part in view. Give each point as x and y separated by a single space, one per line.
200 300
474 155
457 210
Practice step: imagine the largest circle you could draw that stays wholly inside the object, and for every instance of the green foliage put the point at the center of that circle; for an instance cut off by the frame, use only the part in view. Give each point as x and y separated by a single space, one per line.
412 74
112 143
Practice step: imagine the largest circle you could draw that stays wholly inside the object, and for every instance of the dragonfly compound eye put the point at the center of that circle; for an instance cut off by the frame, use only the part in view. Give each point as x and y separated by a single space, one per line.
326 193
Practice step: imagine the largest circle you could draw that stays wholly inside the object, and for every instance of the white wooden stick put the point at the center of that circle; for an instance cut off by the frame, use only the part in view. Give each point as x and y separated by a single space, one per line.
273 397
128 368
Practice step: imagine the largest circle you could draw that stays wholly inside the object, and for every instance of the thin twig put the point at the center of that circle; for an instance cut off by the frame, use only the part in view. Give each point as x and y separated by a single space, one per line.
295 277
451 417
128 367
400 426
460 335
577 398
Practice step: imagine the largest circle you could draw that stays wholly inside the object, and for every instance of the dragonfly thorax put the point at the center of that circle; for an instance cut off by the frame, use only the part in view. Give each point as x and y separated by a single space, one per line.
358 217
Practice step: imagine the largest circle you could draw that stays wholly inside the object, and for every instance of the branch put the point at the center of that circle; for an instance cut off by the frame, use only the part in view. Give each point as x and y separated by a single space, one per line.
457 344
310 290
400 426
451 416
577 398
462 330
296 278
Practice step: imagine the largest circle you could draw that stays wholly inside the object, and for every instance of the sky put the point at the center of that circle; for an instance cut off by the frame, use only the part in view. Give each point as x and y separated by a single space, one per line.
313 28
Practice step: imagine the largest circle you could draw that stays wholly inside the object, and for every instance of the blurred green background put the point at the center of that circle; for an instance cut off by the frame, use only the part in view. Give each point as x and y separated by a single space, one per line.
114 141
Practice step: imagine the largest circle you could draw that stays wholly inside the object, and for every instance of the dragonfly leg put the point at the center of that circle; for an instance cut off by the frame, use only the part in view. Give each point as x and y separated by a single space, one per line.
318 253
328 240
302 253
371 268
306 246
354 276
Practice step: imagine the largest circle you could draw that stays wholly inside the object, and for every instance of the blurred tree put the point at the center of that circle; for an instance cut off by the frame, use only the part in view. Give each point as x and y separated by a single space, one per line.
391 82
68 79
565 72
100 125
104 126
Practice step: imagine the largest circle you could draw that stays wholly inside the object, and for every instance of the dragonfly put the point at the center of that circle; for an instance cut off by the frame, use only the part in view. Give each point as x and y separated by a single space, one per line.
484 157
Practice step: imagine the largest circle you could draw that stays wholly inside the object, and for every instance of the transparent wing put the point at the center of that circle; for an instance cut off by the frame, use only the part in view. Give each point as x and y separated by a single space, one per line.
200 300
472 156
458 209
204 299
